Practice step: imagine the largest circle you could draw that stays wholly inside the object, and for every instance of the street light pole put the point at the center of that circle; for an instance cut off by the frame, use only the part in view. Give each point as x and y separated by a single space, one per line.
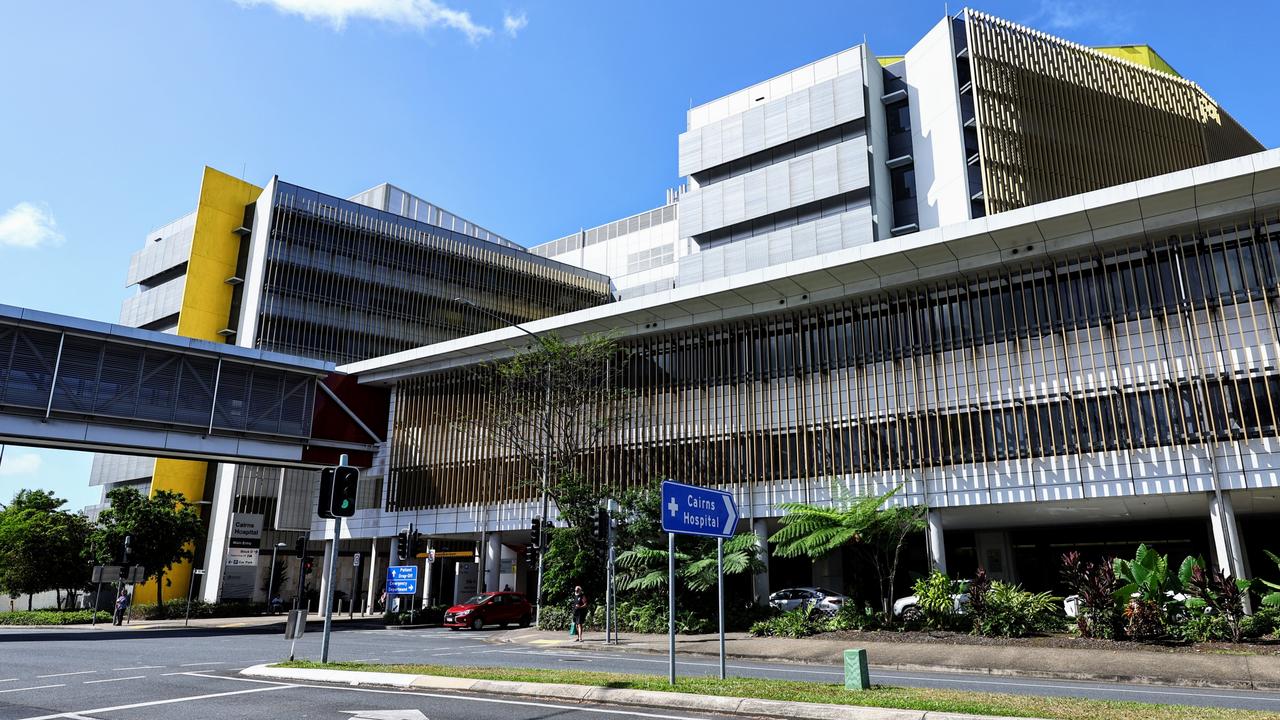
271 573
546 451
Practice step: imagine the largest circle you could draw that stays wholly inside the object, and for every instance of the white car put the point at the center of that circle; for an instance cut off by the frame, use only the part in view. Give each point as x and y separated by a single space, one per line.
907 605
791 598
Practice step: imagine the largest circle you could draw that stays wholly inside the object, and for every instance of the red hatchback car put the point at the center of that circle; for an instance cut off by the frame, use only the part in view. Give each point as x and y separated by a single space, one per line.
492 608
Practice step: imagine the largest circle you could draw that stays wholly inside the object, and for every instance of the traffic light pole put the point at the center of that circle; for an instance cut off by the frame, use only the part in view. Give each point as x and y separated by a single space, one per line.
546 472
330 570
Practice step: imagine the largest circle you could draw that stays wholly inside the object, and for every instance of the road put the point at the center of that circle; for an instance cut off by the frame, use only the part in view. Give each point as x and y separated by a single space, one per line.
113 674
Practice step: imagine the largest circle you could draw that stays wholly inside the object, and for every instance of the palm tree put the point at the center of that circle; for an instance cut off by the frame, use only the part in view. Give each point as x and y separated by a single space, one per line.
878 534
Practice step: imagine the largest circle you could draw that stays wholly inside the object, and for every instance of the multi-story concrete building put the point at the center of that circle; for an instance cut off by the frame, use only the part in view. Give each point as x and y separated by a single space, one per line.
1027 281
303 273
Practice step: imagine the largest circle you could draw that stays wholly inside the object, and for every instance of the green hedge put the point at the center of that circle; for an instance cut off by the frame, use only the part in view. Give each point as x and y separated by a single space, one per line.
51 617
177 610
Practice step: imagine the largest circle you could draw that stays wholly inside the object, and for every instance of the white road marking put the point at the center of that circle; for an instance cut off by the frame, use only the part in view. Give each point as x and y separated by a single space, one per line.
197 664
664 661
469 698
131 677
9 680
37 687
1096 688
82 672
138 667
192 698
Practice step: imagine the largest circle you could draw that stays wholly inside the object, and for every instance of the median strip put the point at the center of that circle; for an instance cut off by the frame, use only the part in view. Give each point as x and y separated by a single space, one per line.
795 700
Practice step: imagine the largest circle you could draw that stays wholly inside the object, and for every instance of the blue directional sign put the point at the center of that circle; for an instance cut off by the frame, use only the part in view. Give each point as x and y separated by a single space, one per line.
693 510
402 580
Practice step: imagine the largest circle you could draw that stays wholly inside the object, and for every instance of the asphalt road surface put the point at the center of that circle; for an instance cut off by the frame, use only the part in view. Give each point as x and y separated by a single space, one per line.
125 674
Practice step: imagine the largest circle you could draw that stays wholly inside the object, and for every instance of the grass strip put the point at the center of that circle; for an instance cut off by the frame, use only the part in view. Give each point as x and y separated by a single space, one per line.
881 696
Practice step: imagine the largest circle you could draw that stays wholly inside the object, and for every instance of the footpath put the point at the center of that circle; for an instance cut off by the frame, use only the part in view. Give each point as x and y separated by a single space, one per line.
1209 670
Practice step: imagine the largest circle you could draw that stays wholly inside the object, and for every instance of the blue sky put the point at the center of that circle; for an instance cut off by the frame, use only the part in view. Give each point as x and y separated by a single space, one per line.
531 118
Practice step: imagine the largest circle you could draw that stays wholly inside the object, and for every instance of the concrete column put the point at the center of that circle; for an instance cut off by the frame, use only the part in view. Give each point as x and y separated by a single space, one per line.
324 564
219 532
372 586
392 559
493 562
937 547
428 576
761 585
1227 548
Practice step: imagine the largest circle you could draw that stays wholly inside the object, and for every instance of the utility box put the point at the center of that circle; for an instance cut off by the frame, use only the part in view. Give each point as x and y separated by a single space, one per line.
856 675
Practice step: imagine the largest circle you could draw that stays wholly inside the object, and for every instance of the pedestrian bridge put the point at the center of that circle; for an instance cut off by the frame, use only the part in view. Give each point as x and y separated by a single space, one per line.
78 384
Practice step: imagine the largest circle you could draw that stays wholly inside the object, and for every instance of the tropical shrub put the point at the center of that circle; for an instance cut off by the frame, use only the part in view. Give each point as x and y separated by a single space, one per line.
1220 594
798 623
1096 585
854 616
1270 599
1200 626
1011 611
934 604
51 617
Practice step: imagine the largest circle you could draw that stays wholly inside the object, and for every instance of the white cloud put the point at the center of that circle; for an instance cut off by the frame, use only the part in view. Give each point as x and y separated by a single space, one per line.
513 24
24 464
28 225
417 14
1061 15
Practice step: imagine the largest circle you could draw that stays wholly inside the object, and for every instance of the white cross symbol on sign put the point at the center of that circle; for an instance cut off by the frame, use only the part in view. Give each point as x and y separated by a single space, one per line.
673 507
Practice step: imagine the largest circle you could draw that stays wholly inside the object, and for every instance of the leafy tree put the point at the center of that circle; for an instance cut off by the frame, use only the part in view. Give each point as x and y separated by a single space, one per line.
878 535
163 527
645 567
42 546
1271 599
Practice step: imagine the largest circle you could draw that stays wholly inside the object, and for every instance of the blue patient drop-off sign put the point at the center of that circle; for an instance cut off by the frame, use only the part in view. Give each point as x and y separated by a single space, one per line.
693 510
402 580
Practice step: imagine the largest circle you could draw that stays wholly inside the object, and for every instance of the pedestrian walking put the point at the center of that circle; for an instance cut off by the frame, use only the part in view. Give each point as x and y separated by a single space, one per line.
122 606
579 610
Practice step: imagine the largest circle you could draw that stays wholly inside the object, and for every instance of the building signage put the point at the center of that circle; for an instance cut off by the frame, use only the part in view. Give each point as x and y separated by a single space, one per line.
693 510
240 566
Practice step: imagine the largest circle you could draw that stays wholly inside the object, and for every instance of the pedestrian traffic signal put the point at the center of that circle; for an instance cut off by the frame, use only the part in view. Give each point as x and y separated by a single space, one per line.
325 500
342 497
307 564
601 530
300 547
128 549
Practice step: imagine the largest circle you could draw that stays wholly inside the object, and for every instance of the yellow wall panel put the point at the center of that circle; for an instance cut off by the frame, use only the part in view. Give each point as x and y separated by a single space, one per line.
206 305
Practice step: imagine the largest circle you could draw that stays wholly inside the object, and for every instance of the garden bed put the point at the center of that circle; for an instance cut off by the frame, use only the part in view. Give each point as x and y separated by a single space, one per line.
1263 646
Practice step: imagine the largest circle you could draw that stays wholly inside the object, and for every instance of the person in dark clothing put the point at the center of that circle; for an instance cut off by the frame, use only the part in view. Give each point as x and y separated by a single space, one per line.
579 611
122 606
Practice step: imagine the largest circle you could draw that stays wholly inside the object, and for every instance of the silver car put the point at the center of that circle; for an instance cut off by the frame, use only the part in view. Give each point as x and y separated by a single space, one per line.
823 599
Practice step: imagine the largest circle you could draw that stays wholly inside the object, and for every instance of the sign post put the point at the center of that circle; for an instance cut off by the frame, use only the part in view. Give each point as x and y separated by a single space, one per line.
693 510
190 587
337 500
355 575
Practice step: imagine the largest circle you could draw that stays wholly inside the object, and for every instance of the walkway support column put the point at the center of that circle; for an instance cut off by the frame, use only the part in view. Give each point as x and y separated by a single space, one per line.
371 587
937 545
1227 549
761 581
493 562
329 547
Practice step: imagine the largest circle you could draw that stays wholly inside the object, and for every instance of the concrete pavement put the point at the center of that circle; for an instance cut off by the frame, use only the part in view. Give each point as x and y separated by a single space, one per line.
1249 672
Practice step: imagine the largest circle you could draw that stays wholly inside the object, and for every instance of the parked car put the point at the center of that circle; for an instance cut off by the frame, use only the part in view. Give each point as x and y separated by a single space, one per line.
491 608
824 600
907 606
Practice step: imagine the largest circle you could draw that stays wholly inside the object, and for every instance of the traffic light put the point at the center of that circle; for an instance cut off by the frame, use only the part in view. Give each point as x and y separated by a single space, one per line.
300 547
601 529
535 531
531 553
324 503
402 545
342 497
415 542
128 549
307 564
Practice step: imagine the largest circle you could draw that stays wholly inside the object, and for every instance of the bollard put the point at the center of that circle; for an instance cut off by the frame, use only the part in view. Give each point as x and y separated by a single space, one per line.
856 676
